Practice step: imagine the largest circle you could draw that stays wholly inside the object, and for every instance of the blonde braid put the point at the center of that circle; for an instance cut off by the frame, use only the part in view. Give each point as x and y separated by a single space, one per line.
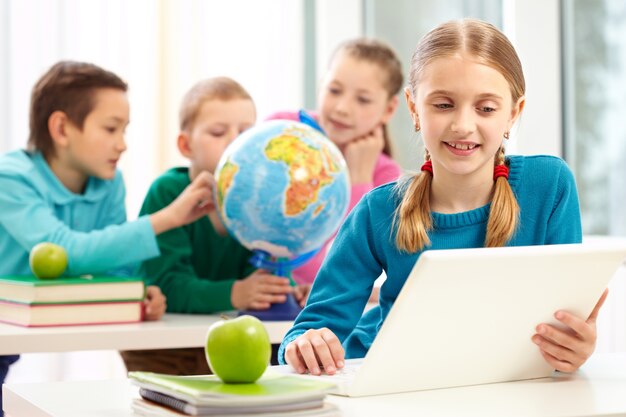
504 212
413 219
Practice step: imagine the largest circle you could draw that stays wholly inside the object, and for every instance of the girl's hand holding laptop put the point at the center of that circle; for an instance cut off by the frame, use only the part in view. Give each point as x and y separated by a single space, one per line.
567 349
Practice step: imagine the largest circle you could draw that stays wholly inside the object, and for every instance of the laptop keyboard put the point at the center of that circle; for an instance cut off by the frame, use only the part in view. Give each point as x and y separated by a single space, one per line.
344 375
343 378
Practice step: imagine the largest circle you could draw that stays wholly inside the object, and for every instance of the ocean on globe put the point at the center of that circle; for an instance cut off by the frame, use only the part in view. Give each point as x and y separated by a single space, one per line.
282 187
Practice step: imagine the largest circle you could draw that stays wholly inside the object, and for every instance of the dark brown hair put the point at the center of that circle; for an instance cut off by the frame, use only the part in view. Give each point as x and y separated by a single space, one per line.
69 87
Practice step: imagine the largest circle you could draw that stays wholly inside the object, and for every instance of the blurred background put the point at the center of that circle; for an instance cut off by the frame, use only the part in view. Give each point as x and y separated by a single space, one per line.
573 52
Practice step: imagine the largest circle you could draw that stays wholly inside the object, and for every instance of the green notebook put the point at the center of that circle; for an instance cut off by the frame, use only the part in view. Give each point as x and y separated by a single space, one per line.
63 290
147 408
271 389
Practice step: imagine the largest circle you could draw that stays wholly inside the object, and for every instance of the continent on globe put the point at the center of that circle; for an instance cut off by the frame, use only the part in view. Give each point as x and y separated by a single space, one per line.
308 171
225 180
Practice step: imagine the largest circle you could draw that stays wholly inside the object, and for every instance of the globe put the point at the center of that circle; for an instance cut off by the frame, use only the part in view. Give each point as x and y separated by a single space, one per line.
282 189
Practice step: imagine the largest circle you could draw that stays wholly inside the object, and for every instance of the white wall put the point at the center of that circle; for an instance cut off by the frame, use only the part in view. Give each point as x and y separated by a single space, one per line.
161 48
533 28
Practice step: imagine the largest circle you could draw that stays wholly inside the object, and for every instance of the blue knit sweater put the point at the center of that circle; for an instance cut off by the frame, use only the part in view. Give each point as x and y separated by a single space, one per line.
365 247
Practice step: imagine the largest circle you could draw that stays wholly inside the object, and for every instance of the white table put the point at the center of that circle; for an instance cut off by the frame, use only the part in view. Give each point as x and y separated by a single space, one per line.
172 331
598 389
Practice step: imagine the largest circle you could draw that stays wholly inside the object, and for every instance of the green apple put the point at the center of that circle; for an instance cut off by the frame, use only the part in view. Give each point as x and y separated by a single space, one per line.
47 260
238 350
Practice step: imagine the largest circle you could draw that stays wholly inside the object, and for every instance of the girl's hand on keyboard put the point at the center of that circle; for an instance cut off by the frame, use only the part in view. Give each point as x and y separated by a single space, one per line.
314 350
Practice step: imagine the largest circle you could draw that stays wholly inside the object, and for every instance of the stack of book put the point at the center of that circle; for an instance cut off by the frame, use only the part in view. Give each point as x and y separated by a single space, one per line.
205 395
33 302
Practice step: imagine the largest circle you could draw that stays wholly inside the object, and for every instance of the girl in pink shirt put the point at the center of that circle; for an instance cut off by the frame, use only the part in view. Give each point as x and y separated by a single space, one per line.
358 96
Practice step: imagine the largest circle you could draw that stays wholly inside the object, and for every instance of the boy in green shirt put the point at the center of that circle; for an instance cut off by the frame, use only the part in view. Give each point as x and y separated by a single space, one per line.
202 269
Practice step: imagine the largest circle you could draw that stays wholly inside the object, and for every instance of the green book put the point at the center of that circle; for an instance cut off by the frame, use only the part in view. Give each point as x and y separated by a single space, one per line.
148 408
271 390
86 289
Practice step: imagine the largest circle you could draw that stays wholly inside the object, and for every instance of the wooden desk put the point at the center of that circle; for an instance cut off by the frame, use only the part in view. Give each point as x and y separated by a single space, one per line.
598 389
172 331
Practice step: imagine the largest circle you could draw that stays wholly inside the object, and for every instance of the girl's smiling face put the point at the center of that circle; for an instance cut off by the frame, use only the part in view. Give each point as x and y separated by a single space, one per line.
353 99
463 108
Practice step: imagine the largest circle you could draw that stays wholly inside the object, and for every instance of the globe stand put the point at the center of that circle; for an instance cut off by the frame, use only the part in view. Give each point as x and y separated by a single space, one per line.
288 310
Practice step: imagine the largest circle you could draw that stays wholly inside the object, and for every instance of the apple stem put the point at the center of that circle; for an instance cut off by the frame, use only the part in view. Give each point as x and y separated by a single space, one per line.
224 317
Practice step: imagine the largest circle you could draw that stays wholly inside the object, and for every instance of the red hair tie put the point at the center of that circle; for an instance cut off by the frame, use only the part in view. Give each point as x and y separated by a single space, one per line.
501 171
428 166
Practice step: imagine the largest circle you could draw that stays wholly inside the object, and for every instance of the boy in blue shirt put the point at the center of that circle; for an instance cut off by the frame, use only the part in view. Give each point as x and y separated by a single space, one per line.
66 188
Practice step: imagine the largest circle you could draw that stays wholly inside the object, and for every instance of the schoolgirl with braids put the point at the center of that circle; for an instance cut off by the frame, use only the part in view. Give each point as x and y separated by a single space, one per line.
466 90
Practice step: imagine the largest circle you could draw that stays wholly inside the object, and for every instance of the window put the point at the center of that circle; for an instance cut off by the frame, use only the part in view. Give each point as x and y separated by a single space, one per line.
594 57
402 26
594 125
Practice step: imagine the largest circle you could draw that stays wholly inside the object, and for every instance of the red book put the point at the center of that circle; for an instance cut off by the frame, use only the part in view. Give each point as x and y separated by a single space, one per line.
42 315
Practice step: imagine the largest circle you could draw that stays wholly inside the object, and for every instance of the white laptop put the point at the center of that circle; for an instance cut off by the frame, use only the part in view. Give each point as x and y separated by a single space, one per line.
466 316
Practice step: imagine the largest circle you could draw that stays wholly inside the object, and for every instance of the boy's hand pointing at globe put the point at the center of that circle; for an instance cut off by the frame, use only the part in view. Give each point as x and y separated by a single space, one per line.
194 202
